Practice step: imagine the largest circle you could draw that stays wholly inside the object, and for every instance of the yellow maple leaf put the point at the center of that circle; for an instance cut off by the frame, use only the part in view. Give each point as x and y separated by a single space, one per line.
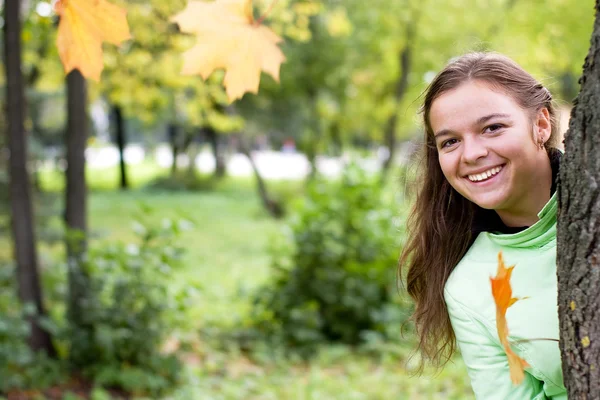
228 38
502 292
84 25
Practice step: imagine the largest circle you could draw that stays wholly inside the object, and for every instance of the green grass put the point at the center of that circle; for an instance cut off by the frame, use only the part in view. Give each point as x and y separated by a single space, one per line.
336 374
227 255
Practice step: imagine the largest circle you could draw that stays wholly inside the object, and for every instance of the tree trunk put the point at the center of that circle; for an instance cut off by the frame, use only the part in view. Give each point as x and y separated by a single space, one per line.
336 140
311 155
578 234
213 137
274 208
121 143
25 252
75 217
173 139
399 92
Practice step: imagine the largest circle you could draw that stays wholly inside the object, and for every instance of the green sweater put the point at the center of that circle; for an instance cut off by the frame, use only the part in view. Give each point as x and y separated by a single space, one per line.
472 311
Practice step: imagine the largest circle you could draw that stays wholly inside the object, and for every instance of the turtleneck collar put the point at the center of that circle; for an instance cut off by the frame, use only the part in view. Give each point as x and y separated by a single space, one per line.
489 220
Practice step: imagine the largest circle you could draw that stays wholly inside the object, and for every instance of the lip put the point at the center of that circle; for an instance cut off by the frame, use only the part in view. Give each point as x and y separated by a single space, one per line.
491 179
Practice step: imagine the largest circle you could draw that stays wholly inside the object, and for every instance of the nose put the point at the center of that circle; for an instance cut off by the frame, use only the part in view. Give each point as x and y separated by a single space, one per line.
473 149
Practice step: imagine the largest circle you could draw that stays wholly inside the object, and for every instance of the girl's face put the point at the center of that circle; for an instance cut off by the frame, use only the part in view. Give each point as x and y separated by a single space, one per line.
487 148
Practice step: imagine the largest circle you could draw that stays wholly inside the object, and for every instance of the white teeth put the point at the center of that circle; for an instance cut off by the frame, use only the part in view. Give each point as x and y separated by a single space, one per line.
485 175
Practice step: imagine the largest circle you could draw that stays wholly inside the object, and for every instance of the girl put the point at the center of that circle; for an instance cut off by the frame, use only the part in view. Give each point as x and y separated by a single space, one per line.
488 185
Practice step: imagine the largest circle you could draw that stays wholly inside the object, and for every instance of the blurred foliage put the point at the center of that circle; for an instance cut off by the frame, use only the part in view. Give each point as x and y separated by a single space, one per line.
20 367
130 314
134 311
332 276
343 63
334 281
187 180
48 231
227 252
338 87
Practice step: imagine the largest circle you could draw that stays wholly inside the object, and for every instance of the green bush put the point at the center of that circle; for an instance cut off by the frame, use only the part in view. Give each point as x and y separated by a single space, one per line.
20 367
131 312
334 278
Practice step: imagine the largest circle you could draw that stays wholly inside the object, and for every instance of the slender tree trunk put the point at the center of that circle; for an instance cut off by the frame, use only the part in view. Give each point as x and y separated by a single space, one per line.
399 92
213 137
76 218
274 208
173 139
192 153
190 148
579 234
336 139
121 143
25 252
311 156
33 106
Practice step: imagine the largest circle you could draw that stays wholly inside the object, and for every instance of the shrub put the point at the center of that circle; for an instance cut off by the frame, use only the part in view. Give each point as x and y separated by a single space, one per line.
20 367
334 278
131 312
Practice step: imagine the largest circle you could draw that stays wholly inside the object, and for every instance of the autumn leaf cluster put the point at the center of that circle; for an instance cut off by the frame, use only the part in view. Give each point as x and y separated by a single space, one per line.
228 38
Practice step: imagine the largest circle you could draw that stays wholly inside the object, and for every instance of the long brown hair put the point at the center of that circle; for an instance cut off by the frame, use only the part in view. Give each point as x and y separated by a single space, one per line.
439 228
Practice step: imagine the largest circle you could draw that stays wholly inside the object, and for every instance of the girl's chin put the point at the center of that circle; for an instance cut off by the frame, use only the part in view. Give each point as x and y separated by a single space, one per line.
487 203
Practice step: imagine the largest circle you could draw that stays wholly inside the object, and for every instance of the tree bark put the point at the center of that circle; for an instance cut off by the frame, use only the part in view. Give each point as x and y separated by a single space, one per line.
121 143
399 92
76 218
29 288
578 234
274 208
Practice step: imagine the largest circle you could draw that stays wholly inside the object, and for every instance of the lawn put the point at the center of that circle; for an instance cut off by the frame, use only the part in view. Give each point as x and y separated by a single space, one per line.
227 256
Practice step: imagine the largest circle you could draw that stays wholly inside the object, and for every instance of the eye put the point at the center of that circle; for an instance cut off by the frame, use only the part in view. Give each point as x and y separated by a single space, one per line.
448 143
493 128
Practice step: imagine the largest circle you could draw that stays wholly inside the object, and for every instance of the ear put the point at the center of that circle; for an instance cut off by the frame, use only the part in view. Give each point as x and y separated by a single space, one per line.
543 126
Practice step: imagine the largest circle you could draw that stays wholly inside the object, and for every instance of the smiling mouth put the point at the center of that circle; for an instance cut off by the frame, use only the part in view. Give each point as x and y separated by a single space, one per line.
484 176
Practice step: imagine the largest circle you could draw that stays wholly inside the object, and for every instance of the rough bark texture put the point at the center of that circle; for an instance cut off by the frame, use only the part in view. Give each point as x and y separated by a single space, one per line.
578 233
29 288
121 143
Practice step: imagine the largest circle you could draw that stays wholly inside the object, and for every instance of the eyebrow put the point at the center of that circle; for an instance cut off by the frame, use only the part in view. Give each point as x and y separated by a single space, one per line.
480 121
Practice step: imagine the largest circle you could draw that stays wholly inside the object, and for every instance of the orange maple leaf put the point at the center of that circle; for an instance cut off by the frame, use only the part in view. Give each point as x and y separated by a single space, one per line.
229 38
84 25
502 292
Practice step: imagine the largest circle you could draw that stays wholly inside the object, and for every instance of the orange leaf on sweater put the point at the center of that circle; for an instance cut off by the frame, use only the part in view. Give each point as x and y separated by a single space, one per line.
502 292
229 38
84 25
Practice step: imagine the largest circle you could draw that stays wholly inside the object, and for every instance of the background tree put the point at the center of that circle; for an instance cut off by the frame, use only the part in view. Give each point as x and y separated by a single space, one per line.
142 81
22 223
76 135
578 230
